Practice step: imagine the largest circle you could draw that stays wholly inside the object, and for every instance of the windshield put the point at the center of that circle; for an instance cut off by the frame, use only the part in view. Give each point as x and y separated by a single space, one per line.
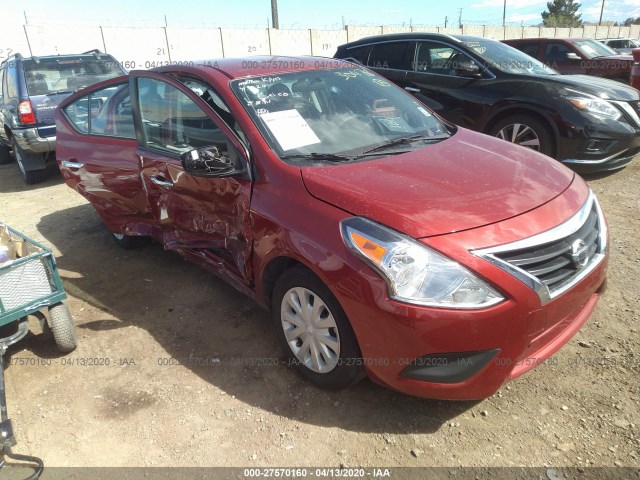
67 74
324 115
593 49
508 59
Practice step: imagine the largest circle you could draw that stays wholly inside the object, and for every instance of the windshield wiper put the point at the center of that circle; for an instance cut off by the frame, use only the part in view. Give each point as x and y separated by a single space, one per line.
406 140
329 157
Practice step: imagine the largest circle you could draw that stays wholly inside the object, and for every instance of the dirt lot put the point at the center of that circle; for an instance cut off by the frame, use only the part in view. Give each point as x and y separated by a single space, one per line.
163 375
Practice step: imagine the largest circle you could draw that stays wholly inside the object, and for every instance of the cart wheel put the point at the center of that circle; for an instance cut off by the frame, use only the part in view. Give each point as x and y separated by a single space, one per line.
61 324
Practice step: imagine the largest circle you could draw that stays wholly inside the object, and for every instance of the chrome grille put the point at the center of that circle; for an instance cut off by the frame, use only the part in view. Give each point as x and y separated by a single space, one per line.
552 262
556 262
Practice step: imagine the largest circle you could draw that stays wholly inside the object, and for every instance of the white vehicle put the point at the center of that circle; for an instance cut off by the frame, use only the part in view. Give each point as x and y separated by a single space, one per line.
621 45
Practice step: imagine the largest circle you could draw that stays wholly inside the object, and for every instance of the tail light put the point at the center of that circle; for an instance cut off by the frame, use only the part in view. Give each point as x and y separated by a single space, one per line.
636 55
25 111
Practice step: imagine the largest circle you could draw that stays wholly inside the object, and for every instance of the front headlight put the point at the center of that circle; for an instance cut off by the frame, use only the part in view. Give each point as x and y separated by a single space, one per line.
596 106
414 272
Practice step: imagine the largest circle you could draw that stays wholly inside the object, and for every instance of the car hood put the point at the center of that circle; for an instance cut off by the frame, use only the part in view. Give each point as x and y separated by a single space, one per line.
467 181
600 87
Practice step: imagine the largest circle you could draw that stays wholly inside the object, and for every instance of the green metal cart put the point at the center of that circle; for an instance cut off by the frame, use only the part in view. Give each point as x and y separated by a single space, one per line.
29 284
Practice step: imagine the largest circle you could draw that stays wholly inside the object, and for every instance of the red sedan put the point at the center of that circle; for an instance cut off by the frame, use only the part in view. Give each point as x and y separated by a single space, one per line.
439 261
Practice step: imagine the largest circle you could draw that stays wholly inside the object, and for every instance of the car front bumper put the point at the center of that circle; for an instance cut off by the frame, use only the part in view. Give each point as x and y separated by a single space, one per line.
594 145
29 139
468 354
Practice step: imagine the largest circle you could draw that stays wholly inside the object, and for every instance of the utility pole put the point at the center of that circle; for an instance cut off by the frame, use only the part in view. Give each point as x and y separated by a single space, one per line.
601 12
460 19
504 14
274 14
446 19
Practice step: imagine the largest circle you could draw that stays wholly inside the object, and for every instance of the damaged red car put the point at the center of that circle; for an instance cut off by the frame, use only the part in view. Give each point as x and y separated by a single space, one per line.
385 241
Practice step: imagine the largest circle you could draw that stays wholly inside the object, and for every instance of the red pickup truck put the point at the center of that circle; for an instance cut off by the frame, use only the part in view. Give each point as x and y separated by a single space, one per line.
582 56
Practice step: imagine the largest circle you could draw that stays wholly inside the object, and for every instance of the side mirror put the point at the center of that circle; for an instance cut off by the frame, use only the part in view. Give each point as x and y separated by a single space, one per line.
468 69
210 162
573 56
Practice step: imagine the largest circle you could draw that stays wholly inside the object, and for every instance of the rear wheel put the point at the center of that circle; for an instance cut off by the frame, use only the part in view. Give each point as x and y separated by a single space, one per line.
315 331
22 159
5 155
526 131
129 242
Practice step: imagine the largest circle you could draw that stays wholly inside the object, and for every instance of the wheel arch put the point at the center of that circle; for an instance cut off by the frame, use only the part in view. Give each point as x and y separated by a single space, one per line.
273 270
524 109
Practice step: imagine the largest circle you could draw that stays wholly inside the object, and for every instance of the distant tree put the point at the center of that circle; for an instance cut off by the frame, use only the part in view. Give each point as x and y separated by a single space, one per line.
631 21
562 13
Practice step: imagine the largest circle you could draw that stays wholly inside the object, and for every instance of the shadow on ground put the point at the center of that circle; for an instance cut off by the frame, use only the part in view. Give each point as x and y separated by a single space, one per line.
218 333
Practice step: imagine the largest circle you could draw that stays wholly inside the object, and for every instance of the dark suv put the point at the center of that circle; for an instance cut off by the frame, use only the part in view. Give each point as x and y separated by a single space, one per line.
31 89
591 124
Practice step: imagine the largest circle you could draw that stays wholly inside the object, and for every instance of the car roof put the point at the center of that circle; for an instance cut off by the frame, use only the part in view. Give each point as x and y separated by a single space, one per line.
414 36
263 65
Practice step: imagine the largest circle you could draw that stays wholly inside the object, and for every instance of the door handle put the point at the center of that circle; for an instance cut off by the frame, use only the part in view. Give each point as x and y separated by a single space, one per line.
161 181
71 164
412 89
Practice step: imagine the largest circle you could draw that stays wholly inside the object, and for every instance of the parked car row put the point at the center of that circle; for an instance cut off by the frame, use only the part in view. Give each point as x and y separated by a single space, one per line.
581 56
30 90
385 241
589 123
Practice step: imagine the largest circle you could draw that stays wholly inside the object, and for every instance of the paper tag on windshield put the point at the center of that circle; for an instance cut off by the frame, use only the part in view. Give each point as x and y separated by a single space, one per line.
290 129
424 112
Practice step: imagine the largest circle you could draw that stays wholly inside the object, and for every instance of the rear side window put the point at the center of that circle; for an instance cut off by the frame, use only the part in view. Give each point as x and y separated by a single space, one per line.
530 49
396 55
104 112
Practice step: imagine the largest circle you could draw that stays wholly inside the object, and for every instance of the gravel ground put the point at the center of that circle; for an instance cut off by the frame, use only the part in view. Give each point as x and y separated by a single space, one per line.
163 373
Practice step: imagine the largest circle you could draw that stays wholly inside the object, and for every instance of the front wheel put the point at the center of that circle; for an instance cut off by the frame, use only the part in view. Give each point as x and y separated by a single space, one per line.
526 131
315 331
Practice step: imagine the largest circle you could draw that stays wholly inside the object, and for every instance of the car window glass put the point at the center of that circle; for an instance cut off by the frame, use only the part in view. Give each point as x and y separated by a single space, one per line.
396 55
361 54
111 112
67 74
103 112
1 82
592 49
215 101
10 84
172 122
439 59
530 49
78 114
555 52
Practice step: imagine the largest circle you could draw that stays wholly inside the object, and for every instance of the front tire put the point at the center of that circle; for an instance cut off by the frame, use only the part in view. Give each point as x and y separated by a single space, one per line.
526 131
64 331
314 331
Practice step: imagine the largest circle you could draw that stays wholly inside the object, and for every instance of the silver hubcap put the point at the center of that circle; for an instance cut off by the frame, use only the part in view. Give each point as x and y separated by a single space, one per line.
310 330
520 134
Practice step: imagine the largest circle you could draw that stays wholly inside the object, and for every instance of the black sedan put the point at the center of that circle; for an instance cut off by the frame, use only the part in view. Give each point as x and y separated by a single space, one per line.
590 124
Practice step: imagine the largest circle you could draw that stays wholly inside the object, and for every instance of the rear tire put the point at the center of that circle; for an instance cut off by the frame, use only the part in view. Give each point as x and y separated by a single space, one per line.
129 242
526 131
314 331
64 331
30 177
5 155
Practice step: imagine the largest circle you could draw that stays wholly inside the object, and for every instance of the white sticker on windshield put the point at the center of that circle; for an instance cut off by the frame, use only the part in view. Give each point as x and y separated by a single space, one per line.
425 112
290 129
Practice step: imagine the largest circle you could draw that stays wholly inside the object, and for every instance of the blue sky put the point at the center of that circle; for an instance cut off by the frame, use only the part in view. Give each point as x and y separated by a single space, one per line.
324 14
